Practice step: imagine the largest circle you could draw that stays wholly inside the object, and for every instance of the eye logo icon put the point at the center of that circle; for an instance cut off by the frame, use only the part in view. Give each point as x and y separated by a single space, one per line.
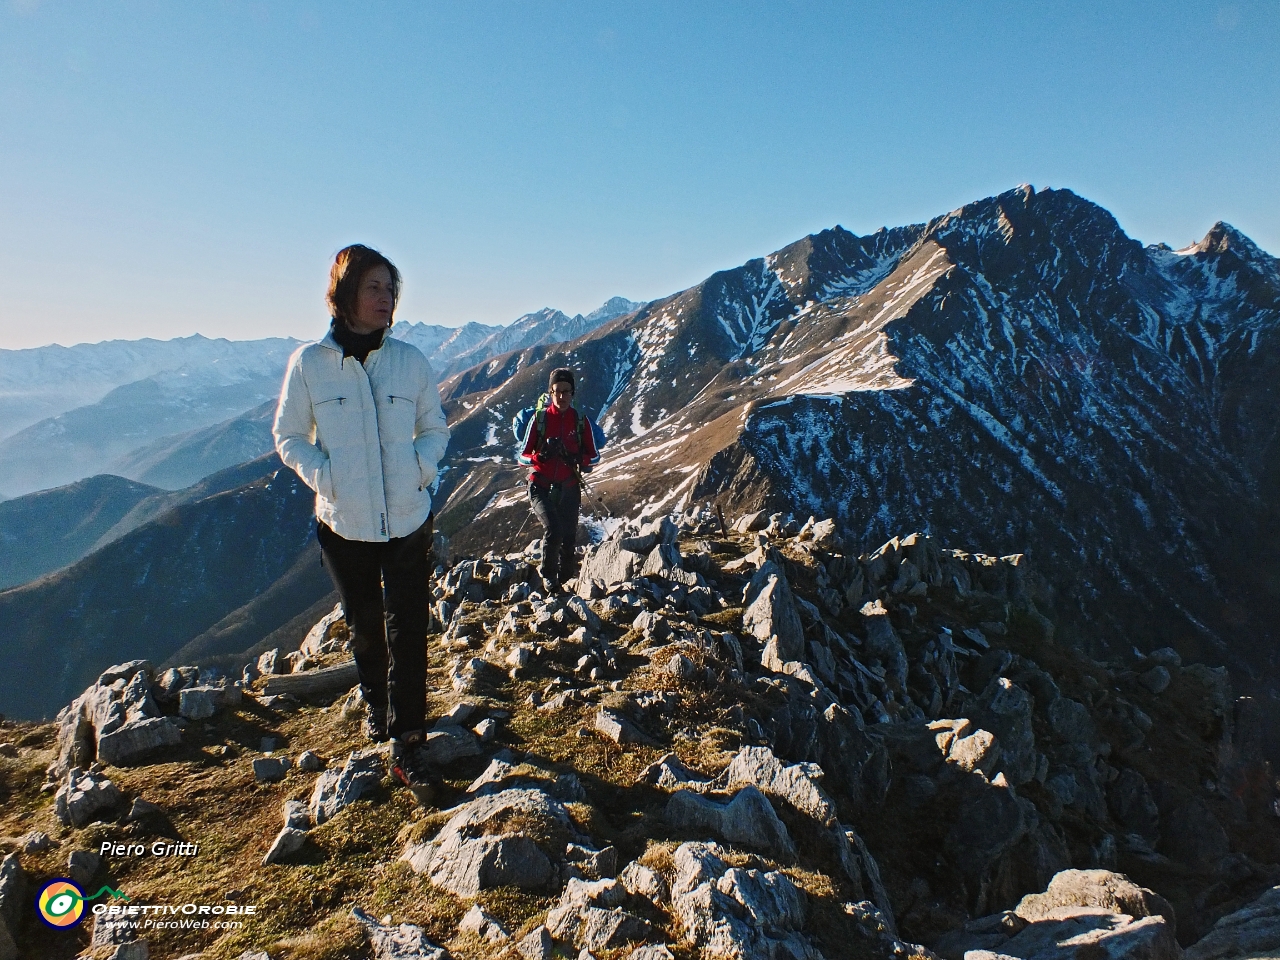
61 903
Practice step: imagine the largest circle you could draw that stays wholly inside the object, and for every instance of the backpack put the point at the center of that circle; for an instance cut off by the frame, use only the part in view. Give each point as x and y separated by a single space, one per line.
526 418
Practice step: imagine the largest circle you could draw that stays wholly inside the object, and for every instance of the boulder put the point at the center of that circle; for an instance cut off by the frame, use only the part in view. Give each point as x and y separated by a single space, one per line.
118 709
271 769
479 922
404 942
737 914
641 881
85 797
1095 888
287 841
515 837
442 747
13 904
796 784
1250 931
199 703
980 751
137 738
1089 933
82 867
618 728
771 612
537 945
337 789
611 563
746 819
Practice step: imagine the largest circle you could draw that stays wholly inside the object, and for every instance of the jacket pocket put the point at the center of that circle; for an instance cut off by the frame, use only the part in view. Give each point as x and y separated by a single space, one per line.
324 481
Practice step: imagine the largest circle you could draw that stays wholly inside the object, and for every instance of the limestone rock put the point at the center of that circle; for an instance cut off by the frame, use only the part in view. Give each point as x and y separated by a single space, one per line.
1095 888
537 945
597 929
796 784
335 790
271 769
287 841
1006 711
442 747
1089 933
85 797
296 815
771 612
884 644
82 867
198 703
669 773
611 563
403 942
13 904
118 709
736 914
137 738
618 728
1250 931
475 850
310 762
479 922
746 819
641 881
979 751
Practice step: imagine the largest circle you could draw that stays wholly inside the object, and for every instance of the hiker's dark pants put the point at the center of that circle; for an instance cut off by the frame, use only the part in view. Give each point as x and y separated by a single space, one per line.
556 507
385 591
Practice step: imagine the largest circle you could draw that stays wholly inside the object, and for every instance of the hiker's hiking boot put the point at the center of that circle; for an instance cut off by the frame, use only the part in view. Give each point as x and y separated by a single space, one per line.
375 725
409 766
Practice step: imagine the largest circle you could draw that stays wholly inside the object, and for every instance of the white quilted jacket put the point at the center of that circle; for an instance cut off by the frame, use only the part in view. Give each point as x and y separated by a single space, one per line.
367 438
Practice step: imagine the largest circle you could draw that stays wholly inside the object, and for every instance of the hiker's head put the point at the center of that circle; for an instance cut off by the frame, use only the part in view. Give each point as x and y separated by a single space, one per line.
560 387
364 287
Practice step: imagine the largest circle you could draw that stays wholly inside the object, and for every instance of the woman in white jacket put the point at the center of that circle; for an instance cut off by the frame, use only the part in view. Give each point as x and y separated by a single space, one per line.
360 422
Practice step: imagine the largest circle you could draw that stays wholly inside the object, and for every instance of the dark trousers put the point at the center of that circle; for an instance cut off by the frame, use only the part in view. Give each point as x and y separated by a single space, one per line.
385 590
556 508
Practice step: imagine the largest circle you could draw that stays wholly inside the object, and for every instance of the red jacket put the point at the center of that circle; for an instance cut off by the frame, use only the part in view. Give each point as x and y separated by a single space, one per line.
548 469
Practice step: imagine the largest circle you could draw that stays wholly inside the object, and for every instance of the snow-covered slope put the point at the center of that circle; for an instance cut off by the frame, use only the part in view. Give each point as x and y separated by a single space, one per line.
1016 375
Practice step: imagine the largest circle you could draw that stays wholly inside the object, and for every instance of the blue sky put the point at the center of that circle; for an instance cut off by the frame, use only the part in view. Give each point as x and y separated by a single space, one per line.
171 168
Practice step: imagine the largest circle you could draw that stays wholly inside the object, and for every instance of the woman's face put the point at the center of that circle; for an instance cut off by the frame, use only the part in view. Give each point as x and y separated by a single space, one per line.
375 299
561 396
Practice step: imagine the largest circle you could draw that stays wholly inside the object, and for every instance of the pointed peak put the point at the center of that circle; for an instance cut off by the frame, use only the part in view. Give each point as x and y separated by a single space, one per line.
1222 238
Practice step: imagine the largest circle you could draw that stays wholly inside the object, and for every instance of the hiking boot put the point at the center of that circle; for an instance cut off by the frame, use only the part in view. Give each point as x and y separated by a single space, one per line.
375 725
410 767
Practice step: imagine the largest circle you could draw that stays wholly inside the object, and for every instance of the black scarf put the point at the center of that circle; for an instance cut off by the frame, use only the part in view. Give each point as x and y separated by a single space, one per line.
358 345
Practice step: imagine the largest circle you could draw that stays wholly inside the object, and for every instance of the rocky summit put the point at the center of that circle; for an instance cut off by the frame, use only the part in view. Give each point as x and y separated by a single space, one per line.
1017 375
728 740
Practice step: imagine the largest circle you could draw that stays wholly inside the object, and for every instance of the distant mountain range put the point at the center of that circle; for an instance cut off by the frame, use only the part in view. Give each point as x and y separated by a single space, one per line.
170 412
1016 376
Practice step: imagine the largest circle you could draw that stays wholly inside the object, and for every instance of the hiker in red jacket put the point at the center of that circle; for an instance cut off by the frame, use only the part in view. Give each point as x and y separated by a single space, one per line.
559 446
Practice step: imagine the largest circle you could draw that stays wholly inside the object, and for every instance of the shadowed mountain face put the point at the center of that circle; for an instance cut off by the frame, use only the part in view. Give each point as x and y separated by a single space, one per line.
47 530
1017 375
150 592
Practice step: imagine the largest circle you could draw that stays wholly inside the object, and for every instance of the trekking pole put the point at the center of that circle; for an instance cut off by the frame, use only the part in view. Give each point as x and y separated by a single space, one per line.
588 488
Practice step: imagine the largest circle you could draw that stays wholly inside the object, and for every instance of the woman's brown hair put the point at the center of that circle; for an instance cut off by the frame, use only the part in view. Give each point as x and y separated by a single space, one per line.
349 268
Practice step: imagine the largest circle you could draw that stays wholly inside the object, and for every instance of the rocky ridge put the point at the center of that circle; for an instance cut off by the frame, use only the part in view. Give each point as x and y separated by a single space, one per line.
722 743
